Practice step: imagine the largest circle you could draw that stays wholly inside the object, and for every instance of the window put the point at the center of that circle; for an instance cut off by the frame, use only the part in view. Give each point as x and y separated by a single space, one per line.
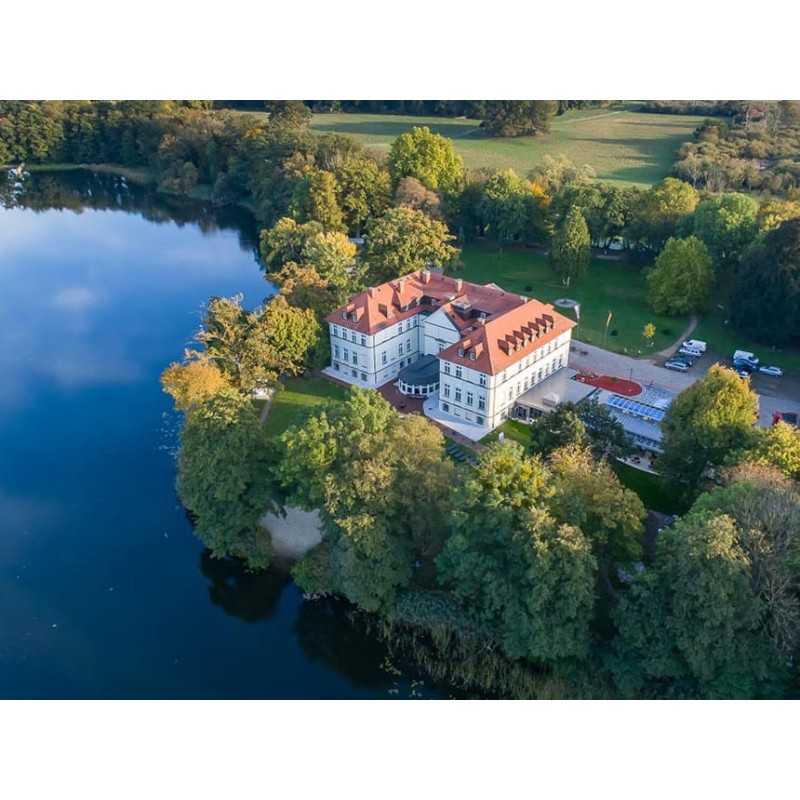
447 367
482 379
363 376
479 420
441 346
458 394
353 335
447 390
470 398
333 330
336 351
400 328
355 357
354 373
481 404
400 349
383 357
408 345
336 367
416 319
458 372
346 353
446 407
363 341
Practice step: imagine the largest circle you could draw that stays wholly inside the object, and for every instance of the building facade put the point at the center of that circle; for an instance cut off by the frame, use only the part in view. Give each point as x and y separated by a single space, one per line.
491 346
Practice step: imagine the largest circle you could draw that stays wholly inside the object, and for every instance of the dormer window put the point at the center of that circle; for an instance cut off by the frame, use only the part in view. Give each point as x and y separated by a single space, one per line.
461 352
471 355
344 315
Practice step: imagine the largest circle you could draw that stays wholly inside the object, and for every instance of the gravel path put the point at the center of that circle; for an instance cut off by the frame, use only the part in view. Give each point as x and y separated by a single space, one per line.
670 351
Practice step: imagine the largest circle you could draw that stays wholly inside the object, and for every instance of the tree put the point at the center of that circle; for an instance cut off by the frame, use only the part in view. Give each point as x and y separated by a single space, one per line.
561 427
404 240
253 348
649 331
315 200
518 117
285 241
413 194
428 157
775 211
364 192
659 213
193 383
765 505
333 256
513 208
527 578
691 625
777 446
385 488
589 496
554 174
223 478
702 426
727 224
288 113
680 281
605 436
765 301
570 249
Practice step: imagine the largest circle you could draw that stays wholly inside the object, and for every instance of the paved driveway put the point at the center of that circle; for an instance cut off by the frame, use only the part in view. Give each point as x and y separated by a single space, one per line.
775 394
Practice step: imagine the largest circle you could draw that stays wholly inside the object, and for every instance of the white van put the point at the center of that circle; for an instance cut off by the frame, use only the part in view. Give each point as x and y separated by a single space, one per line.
744 355
695 344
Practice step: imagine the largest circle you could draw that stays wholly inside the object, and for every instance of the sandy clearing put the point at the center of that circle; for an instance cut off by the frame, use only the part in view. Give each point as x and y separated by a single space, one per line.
295 534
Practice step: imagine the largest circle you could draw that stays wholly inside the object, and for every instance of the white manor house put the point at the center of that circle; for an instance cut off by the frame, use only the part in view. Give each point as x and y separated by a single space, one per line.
473 351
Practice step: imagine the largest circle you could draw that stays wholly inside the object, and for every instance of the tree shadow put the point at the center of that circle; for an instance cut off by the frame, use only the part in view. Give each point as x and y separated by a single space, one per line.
250 596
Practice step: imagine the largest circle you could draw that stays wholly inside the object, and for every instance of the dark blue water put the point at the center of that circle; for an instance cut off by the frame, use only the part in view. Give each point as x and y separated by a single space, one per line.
104 591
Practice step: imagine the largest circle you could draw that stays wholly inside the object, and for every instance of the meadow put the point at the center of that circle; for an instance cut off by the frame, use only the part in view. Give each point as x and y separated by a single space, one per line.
608 285
624 146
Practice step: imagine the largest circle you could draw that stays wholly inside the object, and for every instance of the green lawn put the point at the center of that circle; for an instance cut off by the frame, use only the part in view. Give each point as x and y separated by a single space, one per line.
608 285
646 485
518 431
298 396
622 145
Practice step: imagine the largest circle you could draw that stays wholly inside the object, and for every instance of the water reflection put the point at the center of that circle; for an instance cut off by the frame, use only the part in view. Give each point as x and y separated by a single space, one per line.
249 596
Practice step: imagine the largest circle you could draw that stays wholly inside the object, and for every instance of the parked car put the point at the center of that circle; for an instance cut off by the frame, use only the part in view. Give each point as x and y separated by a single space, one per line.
738 364
743 374
775 372
688 360
695 344
678 366
789 417
690 351
745 355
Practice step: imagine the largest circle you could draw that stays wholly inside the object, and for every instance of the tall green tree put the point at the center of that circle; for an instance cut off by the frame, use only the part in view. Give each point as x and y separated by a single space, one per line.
765 301
404 240
428 157
288 113
570 249
285 241
315 200
777 446
514 209
252 348
223 478
680 281
660 212
527 578
559 428
703 426
691 625
518 117
193 383
365 192
727 224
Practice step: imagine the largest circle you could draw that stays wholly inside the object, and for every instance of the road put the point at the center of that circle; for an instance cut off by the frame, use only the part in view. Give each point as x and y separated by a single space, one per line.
775 394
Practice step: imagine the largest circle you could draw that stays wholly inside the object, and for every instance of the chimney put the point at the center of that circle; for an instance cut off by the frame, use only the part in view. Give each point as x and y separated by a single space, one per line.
459 284
371 291
425 275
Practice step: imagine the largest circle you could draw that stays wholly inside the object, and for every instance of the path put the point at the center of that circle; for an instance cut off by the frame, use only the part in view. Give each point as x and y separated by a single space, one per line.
669 351
585 119
262 417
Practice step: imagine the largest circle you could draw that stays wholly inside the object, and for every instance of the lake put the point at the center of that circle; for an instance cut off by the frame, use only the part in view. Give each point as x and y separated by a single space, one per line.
104 590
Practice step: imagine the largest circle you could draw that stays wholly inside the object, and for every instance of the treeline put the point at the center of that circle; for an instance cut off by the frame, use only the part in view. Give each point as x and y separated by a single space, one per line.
527 576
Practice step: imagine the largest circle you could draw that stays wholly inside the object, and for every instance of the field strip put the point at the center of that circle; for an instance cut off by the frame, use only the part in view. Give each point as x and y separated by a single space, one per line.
587 119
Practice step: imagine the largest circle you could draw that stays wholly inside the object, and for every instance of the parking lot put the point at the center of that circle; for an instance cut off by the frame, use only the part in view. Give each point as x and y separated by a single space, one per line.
775 394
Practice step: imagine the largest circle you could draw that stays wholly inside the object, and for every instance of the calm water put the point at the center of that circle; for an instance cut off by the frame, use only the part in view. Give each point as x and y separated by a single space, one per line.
104 591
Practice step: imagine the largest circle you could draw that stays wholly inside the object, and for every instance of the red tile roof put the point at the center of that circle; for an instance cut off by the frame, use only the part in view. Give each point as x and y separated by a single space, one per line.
507 338
375 309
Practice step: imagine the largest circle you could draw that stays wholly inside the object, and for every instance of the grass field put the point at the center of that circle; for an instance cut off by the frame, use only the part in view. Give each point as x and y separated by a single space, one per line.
623 145
299 396
518 431
646 485
608 285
